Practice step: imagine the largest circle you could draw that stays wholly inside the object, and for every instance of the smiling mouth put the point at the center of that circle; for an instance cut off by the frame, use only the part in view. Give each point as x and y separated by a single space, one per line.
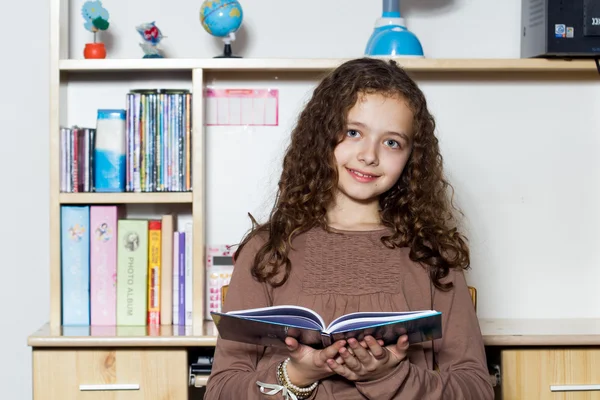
362 176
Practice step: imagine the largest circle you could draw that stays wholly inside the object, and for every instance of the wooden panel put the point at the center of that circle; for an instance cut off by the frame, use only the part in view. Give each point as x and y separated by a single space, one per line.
540 332
150 374
198 162
123 336
125 198
480 65
529 374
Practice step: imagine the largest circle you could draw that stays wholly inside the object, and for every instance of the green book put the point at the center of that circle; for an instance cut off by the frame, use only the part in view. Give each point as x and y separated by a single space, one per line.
132 272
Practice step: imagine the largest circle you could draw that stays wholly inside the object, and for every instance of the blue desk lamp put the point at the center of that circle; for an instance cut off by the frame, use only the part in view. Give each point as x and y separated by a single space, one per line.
390 37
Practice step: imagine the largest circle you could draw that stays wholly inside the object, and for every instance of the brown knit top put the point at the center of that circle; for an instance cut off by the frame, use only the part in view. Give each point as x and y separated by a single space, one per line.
348 271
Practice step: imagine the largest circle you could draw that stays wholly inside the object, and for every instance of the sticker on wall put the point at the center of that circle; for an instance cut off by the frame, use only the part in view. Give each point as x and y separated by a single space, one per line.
250 107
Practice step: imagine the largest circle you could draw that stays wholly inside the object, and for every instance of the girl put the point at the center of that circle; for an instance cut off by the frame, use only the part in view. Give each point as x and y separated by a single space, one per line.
362 222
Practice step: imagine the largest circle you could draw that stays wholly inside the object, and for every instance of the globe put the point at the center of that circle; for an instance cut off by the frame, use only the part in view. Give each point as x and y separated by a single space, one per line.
221 18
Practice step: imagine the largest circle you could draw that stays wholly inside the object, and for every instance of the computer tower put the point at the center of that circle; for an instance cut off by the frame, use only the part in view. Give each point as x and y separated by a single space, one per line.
560 28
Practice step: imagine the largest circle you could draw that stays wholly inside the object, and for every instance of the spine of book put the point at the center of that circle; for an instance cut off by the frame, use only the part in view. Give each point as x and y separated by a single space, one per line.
189 276
326 339
182 240
103 264
132 272
137 144
175 274
75 161
166 276
154 272
188 141
75 253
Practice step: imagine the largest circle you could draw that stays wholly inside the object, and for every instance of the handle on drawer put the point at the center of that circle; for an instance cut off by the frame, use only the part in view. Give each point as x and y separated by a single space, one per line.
573 388
110 387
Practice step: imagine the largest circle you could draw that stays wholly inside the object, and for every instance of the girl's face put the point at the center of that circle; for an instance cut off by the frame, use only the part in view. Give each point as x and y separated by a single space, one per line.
375 147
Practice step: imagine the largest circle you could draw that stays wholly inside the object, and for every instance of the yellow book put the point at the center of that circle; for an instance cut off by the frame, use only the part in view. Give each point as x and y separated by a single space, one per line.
154 267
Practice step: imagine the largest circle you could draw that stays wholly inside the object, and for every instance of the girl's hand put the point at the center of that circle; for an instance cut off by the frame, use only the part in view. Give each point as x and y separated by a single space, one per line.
308 365
366 364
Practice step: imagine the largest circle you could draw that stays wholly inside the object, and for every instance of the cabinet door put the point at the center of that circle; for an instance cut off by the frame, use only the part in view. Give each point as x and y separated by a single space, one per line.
557 374
123 374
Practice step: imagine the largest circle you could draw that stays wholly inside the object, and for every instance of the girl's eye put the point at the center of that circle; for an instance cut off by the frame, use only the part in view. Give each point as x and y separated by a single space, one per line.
353 133
392 143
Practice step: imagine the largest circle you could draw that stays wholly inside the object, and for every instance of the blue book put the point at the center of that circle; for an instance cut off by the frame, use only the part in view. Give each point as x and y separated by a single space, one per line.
75 265
269 326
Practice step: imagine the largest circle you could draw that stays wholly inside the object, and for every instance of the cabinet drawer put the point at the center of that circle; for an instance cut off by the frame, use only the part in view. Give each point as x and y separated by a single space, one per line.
122 374
557 374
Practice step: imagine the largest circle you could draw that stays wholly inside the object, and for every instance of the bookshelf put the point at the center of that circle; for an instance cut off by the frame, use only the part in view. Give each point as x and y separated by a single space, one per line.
106 341
63 69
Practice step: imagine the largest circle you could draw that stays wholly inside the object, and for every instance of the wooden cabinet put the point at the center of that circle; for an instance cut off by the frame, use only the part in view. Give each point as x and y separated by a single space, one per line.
551 373
111 374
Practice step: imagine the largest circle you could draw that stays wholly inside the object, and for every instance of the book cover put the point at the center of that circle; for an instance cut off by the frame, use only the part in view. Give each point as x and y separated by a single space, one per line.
132 272
103 264
154 271
75 272
270 326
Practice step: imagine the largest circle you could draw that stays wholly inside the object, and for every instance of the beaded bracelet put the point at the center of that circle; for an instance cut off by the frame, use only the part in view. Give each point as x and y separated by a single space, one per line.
284 379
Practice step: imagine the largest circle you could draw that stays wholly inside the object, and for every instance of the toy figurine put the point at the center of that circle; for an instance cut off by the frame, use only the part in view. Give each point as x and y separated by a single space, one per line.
152 37
96 19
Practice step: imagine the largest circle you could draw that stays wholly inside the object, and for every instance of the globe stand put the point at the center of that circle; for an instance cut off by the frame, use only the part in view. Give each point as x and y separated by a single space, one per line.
227 53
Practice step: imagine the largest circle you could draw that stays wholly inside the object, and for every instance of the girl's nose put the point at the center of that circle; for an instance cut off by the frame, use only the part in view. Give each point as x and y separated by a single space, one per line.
368 154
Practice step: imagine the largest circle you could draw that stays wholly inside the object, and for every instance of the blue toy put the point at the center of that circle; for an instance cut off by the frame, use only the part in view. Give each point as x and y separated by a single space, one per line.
152 36
390 38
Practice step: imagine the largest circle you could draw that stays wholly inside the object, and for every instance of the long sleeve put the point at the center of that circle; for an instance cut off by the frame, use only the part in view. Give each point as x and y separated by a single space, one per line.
235 368
463 372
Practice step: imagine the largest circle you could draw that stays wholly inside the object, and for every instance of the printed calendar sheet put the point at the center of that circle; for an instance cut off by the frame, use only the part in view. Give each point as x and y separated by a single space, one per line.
254 107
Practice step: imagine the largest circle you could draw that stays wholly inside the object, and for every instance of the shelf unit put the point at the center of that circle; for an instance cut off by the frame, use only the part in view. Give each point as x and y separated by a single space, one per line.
61 69
199 68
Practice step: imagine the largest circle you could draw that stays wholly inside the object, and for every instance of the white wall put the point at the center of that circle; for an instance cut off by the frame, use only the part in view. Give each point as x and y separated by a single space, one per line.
526 178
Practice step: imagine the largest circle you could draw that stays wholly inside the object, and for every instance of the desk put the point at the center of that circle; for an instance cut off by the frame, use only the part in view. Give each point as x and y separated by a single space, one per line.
538 359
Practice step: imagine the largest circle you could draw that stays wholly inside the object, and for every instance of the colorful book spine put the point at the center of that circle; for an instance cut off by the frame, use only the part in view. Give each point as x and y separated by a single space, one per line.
159 140
154 272
75 252
182 240
103 264
132 272
166 276
189 278
175 273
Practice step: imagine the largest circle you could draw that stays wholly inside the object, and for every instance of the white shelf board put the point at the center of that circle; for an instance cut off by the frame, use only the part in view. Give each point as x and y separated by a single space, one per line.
292 64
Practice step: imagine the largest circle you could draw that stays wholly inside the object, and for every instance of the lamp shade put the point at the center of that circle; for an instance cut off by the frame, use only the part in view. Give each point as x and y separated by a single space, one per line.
394 40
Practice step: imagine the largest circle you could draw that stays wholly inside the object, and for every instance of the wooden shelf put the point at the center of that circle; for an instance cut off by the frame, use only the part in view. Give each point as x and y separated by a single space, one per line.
124 336
496 332
541 332
124 198
290 64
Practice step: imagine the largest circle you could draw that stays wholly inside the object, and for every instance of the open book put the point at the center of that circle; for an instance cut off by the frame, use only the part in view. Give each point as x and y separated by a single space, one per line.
269 326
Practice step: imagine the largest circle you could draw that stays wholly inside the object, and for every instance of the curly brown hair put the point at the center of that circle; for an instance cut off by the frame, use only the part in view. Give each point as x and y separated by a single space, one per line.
418 209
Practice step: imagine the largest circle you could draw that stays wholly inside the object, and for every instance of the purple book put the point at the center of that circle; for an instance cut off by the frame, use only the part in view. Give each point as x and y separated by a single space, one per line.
181 278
